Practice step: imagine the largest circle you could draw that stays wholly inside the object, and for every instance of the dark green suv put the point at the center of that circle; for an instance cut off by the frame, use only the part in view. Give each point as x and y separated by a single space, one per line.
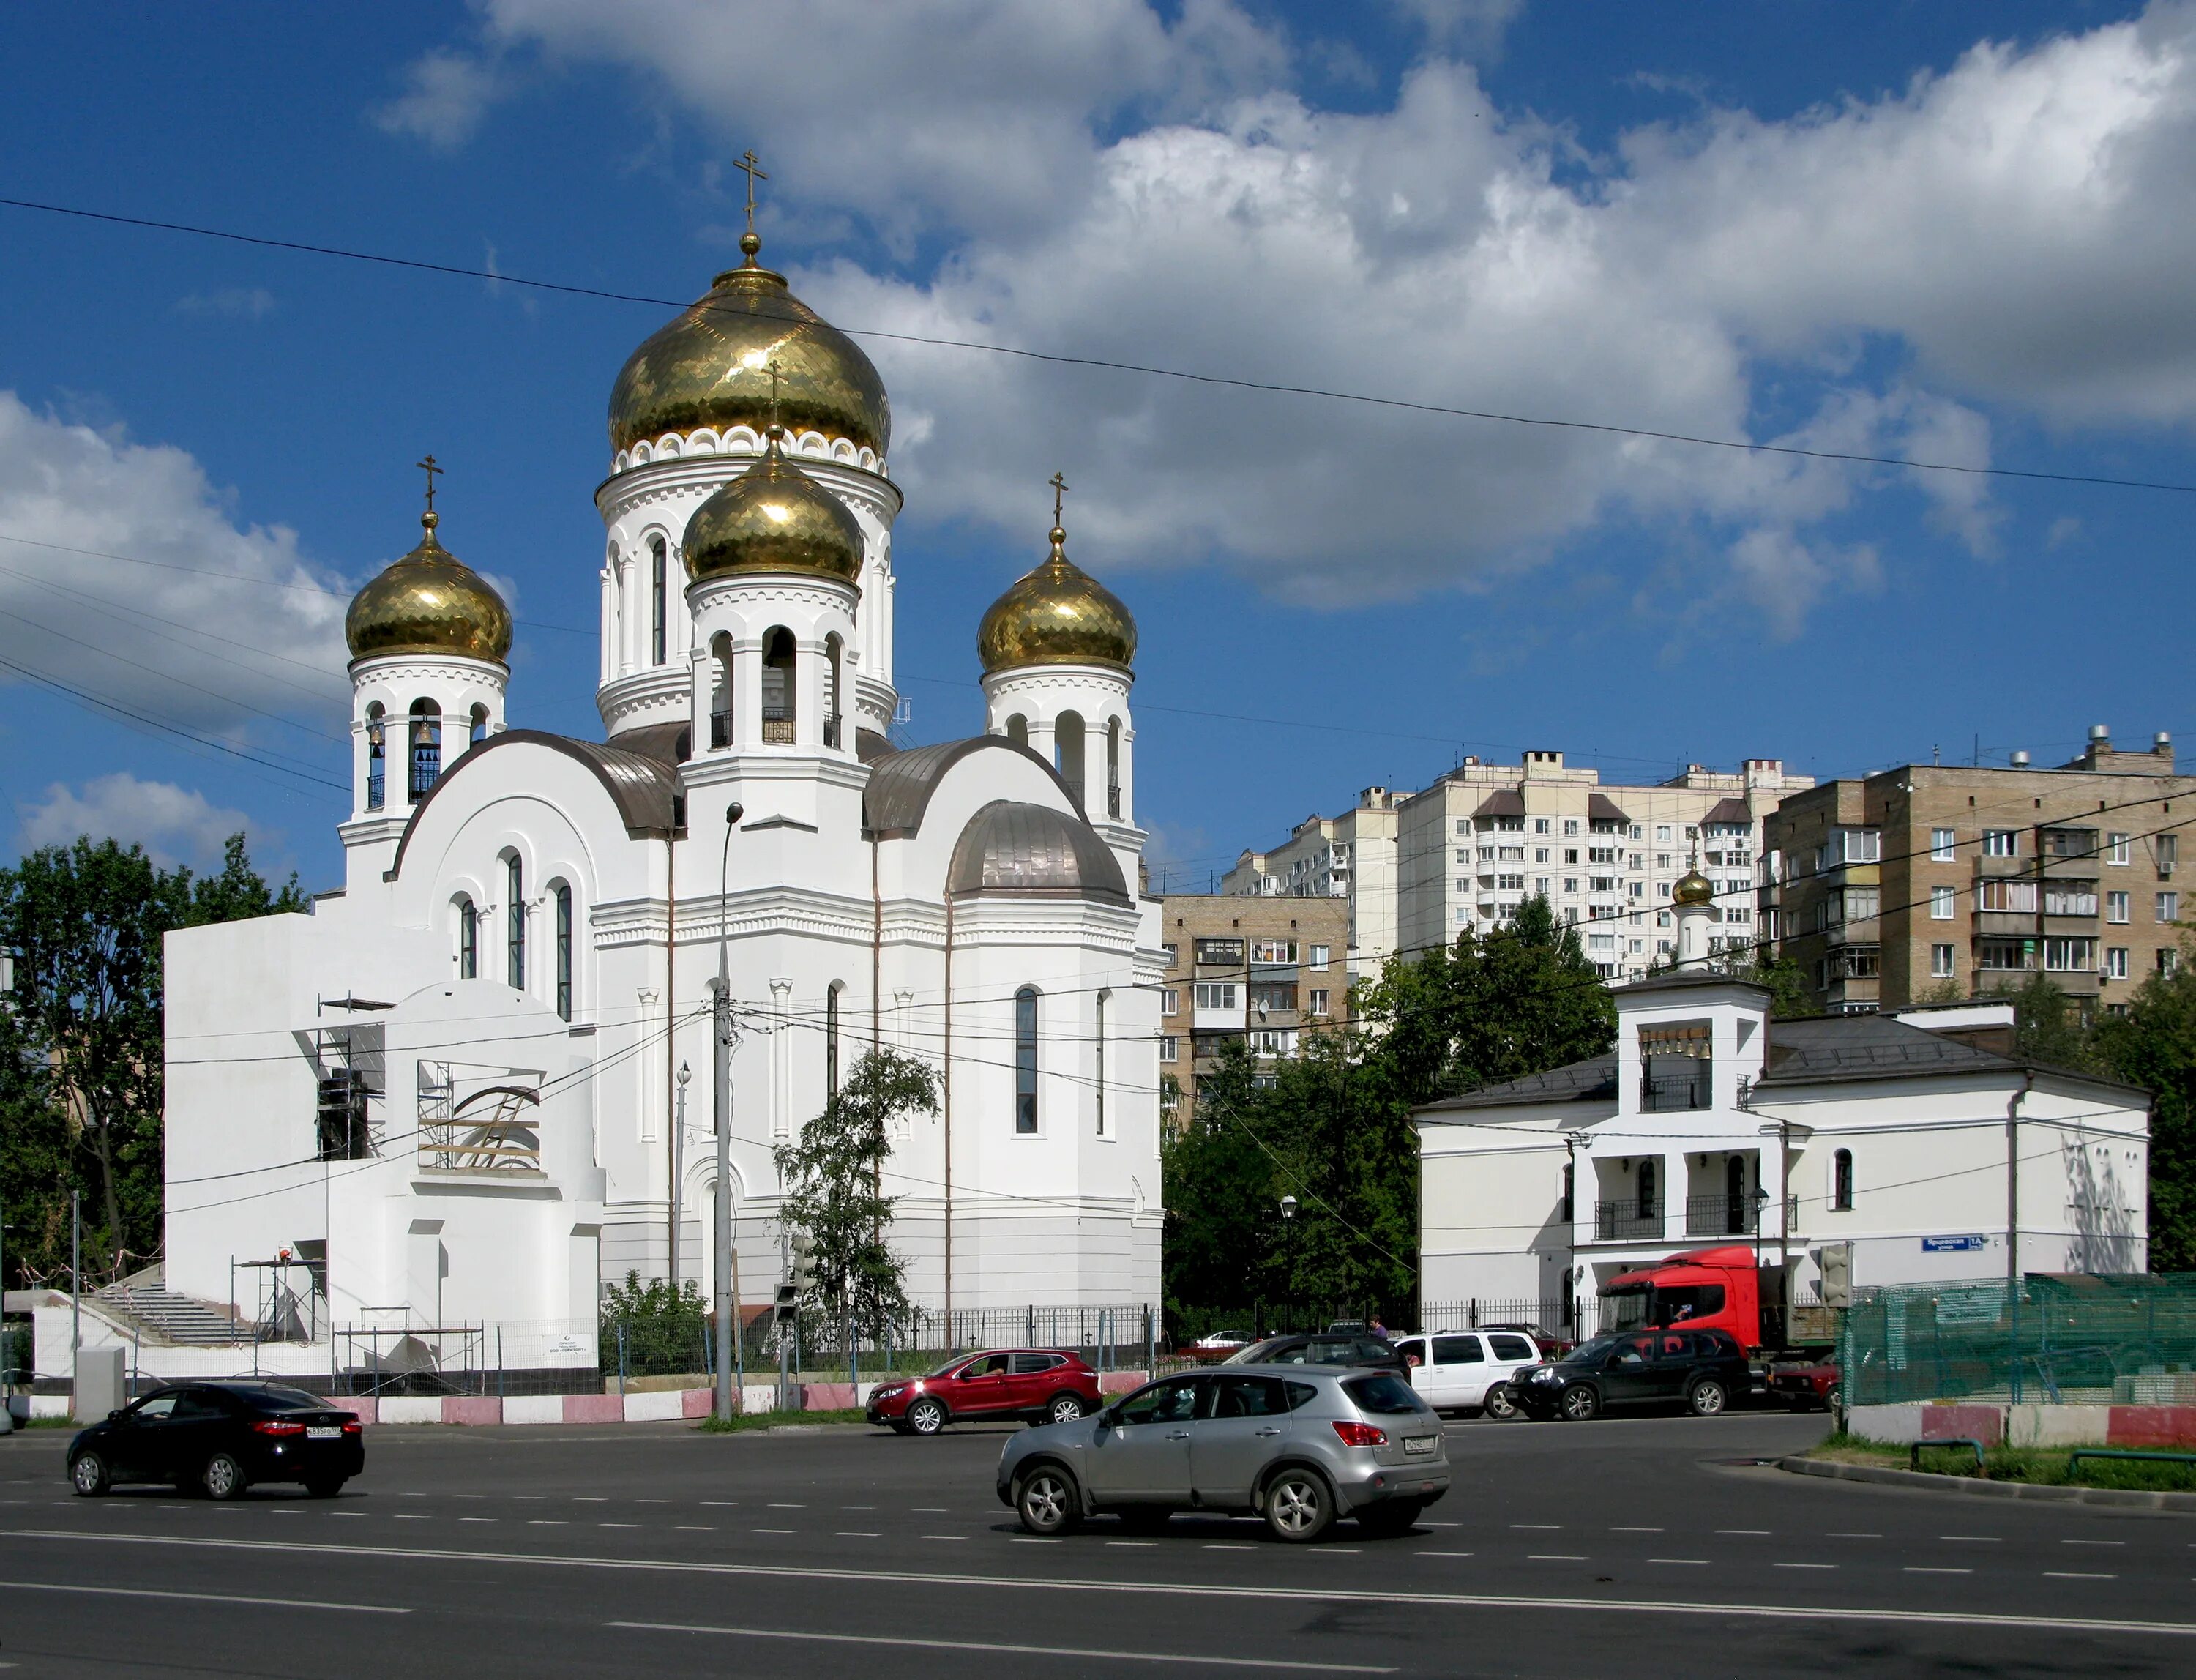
1704 1371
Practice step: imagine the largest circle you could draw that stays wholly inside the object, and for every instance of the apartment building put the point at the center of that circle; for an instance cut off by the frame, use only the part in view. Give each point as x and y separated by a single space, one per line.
1932 882
1268 970
1474 846
1351 857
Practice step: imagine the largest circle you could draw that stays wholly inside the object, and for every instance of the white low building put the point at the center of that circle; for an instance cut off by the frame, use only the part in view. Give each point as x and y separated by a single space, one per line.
456 1093
1709 1123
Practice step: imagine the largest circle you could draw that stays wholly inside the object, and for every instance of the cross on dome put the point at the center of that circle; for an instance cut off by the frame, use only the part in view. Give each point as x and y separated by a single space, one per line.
1059 489
427 466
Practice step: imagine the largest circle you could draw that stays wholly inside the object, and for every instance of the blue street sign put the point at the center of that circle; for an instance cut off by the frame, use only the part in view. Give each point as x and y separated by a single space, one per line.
1951 1244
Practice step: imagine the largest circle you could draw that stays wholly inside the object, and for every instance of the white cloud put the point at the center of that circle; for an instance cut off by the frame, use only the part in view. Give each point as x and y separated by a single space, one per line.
175 825
203 623
1870 278
241 303
446 95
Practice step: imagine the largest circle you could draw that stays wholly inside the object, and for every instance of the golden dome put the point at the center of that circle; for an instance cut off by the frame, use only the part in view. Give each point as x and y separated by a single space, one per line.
1057 614
1693 888
773 517
430 602
711 367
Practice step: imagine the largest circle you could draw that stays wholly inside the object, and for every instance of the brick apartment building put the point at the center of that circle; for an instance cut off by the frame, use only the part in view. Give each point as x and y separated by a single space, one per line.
1264 969
1930 882
1351 857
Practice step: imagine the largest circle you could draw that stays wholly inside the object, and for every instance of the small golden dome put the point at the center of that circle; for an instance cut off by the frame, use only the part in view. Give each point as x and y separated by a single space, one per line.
430 602
773 517
710 367
1057 614
1693 888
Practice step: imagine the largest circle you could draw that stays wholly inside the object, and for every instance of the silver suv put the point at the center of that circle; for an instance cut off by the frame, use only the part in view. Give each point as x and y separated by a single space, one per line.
1297 1445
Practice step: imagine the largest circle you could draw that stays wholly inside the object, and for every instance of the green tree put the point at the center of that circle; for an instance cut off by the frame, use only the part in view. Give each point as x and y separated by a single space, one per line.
81 1047
2153 1045
1788 987
2048 1027
831 1173
653 1330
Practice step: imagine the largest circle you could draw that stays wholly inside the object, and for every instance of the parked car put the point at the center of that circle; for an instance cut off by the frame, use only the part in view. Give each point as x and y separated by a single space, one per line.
1216 1345
1552 1346
1468 1371
219 1438
1704 1371
1322 1349
1297 1445
1807 1380
1036 1384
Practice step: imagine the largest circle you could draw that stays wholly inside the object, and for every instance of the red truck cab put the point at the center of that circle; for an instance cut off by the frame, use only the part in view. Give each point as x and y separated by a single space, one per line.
1704 1289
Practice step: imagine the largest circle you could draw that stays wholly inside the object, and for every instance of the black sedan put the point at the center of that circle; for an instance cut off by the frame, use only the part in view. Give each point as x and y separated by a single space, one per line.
1703 1370
1325 1348
219 1438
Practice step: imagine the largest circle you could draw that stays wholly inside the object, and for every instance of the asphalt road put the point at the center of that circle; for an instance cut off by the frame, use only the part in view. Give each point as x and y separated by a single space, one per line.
1638 1548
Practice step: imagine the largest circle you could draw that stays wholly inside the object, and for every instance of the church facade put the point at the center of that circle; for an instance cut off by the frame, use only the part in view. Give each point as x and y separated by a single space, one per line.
459 1092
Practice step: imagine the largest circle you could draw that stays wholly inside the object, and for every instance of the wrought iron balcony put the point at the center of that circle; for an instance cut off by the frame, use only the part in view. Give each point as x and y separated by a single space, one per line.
721 730
1626 1221
1722 1216
1664 1087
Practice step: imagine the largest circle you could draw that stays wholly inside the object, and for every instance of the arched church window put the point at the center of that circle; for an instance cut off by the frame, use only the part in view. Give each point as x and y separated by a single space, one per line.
1026 1059
514 892
1842 1182
478 732
833 648
377 757
1113 768
720 692
1067 753
831 1001
778 719
1018 729
563 896
468 940
659 609
426 749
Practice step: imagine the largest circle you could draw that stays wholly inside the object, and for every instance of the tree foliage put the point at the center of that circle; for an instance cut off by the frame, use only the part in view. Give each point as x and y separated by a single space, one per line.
650 1329
2153 1045
81 1050
831 1174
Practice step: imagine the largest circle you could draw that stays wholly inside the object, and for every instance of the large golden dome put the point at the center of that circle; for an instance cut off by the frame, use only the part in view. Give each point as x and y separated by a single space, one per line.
711 367
1057 614
430 602
773 517
1693 888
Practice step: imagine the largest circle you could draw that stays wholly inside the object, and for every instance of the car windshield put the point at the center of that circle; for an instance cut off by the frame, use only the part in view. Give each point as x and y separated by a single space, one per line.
1384 1395
1623 1309
1257 1351
1588 1353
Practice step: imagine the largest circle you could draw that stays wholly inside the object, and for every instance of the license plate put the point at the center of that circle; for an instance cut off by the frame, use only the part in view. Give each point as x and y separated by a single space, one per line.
1419 1443
324 1432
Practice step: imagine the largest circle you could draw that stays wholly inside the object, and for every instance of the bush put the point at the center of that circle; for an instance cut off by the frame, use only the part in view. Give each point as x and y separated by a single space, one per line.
665 1332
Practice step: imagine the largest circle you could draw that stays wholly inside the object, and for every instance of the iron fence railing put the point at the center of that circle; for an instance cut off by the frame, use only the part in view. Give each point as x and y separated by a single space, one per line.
1626 1220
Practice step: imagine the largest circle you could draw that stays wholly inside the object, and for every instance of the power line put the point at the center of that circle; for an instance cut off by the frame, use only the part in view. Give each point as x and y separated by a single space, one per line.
1186 375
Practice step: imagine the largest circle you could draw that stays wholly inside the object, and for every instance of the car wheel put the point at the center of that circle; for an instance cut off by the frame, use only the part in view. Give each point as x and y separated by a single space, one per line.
89 1475
925 1416
1706 1398
1064 1409
324 1487
1499 1403
1388 1521
1580 1402
223 1477
1834 1402
1298 1506
1044 1500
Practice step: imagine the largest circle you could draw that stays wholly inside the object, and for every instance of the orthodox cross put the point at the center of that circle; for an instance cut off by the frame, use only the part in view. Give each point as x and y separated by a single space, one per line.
428 467
774 424
1059 489
754 172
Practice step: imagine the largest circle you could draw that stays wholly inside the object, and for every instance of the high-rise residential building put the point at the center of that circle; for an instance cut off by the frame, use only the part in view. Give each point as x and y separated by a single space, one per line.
1351 857
1475 845
1264 970
1937 882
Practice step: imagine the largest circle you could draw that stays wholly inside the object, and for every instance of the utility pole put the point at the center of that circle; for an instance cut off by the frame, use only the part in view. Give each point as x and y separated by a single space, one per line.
76 1279
2013 1230
678 1171
724 1039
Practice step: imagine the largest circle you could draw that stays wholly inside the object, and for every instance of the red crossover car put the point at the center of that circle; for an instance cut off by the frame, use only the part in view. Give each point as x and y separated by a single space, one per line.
1041 1385
1805 1381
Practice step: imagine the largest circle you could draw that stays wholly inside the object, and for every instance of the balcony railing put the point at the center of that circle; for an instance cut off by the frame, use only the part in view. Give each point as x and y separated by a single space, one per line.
777 725
1664 1088
1624 1220
721 730
831 728
1722 1216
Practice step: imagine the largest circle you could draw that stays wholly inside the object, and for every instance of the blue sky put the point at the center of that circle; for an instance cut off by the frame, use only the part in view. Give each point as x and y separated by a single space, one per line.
1941 231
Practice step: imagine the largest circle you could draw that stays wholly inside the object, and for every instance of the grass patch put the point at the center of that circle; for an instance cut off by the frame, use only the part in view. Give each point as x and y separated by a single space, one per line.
2045 1466
49 1423
741 1421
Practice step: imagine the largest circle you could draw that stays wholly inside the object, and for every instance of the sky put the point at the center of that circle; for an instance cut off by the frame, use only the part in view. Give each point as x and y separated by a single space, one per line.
1956 235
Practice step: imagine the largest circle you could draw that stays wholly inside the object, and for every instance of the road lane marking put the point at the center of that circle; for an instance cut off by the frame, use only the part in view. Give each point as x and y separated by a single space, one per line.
1753 1533
1835 1534
2075 1575
1132 1543
617 1525
723 1504
941 1537
1555 1557
1918 1569
530 1498
1803 1566
1003 1650
1979 1539
204 1597
770 1530
696 1528
1228 1545
548 1522
930 1511
1635 1531
477 1519
1700 1562
412 1516
1429 1554
1550 1528
2093 1542
854 1534
652 1502
411 1496
469 1496
346 1513
591 1499
1294 1593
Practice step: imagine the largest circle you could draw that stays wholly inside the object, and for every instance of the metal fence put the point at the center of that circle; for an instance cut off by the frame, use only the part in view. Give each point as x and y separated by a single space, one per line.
1572 1318
2060 1339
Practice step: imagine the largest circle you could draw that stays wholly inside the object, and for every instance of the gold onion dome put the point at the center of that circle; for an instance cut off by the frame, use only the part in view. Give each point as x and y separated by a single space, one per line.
1057 614
711 367
1693 888
773 517
430 602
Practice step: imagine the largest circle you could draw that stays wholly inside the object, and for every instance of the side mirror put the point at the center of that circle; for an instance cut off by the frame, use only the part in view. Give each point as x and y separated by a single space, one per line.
114 1414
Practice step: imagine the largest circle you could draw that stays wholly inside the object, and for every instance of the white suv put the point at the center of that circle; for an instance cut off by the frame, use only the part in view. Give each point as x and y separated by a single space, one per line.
1466 1370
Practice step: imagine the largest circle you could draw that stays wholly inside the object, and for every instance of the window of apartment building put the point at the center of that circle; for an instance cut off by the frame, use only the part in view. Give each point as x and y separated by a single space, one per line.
2118 906
2002 955
1943 902
1542 854
1851 963
1601 942
1638 860
2169 907
1510 854
1570 827
1661 834
1319 956
1509 883
2070 956
1464 825
2116 962
1601 854
1570 856
2070 842
1570 883
1510 825
1170 1000
1737 915
1639 889
2168 853
1485 855
1855 845
2006 897
1273 950
1637 946
1464 854
2001 842
2169 963
1216 994
1463 885
1541 885
1464 913
1662 918
2069 898
1661 860
1540 825
1601 883
1320 998
1169 1048
2118 849
1940 962
1856 903
1173 953
1635 831
1265 999
1220 953
1943 846
1664 947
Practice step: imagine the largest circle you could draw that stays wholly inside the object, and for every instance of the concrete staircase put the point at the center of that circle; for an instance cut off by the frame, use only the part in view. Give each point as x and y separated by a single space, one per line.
160 1315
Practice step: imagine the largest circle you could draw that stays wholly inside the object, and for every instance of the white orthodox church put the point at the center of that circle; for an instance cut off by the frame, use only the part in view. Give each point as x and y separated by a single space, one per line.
457 1092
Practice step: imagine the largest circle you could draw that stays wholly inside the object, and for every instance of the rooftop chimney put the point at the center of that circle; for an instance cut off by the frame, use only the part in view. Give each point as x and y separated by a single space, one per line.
2020 760
2161 742
2100 734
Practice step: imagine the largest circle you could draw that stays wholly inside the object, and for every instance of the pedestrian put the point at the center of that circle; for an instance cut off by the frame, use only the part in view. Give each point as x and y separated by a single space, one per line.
1379 1329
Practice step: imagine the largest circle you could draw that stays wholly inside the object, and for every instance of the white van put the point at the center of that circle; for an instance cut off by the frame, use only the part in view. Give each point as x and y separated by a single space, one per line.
1465 1371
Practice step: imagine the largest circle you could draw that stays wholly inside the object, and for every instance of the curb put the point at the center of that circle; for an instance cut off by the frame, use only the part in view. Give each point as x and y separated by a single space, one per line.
1973 1488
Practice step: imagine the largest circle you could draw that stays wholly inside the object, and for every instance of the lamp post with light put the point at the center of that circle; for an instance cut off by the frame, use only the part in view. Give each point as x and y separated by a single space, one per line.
678 1171
725 1039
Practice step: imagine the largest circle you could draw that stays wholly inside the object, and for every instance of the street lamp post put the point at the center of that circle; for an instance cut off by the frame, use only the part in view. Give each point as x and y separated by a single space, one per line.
725 1039
678 1171
1288 1248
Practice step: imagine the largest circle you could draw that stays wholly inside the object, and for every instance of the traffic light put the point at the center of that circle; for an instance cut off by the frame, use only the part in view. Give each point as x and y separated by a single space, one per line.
804 1263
